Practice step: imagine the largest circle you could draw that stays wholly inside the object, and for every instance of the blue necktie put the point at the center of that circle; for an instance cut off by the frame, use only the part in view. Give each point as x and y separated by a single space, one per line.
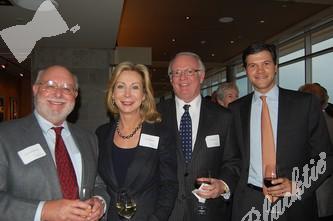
185 131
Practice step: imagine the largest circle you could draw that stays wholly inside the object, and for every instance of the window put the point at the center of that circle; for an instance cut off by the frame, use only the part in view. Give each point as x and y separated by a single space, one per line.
321 65
241 81
292 76
291 51
322 39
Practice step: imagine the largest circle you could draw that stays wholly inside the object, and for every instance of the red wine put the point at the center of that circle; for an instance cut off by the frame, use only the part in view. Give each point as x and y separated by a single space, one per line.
197 184
268 182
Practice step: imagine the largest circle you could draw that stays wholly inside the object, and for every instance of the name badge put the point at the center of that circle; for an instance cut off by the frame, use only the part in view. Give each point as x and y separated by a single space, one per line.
31 153
147 140
213 141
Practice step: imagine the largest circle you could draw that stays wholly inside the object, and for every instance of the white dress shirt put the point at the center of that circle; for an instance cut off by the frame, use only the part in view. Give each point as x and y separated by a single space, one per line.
194 111
72 149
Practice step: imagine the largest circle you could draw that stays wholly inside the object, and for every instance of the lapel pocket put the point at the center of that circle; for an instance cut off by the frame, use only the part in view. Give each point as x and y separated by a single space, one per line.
213 141
150 141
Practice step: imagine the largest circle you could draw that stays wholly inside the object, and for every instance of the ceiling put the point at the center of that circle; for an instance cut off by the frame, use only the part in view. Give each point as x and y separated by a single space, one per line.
170 26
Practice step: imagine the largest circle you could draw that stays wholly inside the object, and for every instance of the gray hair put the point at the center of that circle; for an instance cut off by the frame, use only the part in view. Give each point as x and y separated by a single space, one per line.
194 55
224 87
41 72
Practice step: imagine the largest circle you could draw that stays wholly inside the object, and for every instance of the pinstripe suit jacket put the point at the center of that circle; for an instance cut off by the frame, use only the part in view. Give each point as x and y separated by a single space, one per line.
222 161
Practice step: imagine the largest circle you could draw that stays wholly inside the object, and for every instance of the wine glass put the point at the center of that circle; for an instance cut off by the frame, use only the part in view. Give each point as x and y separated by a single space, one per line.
201 206
125 205
85 195
270 173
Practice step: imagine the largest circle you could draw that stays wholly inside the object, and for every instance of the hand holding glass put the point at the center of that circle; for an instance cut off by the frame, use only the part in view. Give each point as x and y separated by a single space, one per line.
270 173
125 205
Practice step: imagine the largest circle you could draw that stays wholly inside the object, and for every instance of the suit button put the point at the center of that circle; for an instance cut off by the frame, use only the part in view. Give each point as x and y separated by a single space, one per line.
186 174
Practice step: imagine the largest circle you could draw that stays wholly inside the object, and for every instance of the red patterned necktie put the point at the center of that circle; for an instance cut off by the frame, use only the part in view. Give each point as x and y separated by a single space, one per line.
66 173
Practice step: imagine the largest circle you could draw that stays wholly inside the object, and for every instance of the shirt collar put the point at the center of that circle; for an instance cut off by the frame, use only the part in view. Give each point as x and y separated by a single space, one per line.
46 125
195 103
272 94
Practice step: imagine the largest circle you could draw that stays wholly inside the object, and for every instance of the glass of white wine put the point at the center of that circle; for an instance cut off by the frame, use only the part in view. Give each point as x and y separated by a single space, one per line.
126 206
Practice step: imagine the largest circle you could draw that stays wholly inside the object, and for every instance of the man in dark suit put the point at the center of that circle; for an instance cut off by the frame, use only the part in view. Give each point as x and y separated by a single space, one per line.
205 152
299 135
34 184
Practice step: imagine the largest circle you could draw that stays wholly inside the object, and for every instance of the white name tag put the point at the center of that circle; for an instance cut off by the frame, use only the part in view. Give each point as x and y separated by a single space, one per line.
213 141
147 140
31 153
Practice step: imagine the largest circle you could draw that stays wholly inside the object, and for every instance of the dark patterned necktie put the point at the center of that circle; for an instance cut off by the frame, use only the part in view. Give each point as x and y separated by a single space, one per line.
185 131
66 173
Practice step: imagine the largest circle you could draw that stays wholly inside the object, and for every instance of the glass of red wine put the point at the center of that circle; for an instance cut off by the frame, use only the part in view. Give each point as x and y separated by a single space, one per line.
270 173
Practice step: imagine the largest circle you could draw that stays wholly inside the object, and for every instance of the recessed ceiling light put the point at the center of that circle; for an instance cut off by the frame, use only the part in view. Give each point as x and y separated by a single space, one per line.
226 19
21 74
213 55
203 42
262 21
231 42
173 40
3 66
188 17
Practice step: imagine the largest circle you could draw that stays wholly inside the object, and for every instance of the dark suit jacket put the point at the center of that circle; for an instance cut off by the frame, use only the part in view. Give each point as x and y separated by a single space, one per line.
324 193
151 177
301 136
221 161
22 186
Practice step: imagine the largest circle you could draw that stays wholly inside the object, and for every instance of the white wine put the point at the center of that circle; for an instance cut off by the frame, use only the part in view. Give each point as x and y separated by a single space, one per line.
126 210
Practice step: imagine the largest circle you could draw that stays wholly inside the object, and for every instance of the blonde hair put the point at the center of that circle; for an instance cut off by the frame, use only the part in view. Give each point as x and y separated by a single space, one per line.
148 109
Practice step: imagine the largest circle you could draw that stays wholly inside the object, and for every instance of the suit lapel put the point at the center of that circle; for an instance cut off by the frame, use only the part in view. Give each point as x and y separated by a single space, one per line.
172 120
198 145
109 168
34 132
282 123
245 114
83 149
141 156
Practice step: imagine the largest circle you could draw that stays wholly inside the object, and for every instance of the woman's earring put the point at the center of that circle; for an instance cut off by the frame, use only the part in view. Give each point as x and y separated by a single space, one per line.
113 103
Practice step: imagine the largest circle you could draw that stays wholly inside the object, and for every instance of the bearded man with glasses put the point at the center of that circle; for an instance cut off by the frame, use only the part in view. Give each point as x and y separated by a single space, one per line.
46 163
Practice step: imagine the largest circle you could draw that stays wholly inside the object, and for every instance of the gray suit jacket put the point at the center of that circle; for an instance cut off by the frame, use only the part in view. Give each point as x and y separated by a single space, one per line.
23 186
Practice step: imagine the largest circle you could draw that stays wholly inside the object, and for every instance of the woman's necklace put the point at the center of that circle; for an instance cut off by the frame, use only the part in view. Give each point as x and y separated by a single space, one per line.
131 134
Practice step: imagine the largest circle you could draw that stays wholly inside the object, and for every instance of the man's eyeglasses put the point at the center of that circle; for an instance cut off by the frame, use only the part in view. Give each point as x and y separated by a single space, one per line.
52 86
186 72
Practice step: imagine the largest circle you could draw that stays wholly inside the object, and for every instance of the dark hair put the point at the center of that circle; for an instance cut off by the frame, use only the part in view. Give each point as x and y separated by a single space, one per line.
256 48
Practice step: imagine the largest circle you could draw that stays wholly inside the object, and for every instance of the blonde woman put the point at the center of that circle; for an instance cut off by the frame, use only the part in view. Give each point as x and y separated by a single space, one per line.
136 156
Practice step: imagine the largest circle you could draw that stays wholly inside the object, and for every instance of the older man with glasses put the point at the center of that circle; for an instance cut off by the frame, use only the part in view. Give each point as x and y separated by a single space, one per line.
206 157
46 163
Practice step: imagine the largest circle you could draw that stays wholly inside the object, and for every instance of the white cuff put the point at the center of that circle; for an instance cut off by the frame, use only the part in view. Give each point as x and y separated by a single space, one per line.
226 195
103 202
